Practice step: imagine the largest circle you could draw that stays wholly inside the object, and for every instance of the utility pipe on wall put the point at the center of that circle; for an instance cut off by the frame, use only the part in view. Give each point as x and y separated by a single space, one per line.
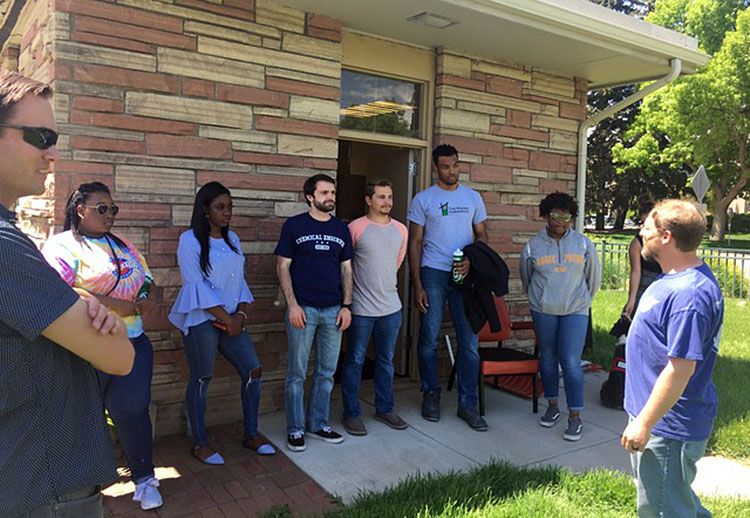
674 72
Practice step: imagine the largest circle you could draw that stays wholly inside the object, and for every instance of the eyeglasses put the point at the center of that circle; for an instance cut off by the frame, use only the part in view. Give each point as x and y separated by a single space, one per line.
557 217
103 208
40 138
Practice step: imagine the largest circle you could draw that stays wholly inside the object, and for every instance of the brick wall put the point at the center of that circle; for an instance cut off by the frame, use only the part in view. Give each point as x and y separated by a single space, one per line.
516 131
156 99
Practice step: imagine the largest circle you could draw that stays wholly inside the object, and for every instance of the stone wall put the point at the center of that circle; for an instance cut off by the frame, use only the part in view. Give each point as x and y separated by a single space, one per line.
157 98
29 51
516 131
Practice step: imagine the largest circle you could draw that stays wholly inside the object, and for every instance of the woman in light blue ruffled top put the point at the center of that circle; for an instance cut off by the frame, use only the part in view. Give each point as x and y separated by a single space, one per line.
211 311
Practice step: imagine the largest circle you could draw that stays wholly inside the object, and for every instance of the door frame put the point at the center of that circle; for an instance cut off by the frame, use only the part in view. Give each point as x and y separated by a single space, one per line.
388 58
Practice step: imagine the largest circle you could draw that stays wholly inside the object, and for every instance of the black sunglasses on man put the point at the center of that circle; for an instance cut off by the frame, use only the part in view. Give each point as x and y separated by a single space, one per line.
40 138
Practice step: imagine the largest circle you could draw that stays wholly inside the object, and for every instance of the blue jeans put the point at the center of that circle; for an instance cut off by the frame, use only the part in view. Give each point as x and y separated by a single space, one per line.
440 288
384 331
664 472
320 328
561 340
201 344
126 399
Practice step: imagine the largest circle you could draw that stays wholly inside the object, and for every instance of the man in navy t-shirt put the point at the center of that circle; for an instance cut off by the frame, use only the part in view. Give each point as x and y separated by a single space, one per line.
672 347
314 265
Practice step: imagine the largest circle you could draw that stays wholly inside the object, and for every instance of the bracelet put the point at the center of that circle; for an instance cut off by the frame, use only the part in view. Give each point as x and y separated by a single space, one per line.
244 315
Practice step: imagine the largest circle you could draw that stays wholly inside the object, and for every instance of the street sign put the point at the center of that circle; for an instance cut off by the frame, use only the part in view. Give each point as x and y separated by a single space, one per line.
700 183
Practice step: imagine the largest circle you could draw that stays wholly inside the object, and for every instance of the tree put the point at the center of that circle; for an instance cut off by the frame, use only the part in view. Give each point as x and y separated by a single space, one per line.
618 174
703 118
604 185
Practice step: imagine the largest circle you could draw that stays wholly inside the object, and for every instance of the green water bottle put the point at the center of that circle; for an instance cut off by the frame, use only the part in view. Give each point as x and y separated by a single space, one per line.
458 257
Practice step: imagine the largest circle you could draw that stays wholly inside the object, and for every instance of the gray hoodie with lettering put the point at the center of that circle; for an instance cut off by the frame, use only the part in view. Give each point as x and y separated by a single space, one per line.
561 277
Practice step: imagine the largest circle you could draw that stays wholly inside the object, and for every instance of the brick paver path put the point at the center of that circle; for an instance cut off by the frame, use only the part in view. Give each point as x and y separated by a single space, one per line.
246 485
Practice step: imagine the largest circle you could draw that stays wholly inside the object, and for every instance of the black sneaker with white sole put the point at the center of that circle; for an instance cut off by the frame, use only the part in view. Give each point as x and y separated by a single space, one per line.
327 435
295 441
550 417
574 430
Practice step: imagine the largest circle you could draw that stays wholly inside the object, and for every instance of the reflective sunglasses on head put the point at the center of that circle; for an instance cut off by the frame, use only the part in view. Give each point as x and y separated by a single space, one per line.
40 138
103 208
557 217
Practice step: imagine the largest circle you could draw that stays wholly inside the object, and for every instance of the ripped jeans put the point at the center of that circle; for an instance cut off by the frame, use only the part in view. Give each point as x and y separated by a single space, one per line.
201 344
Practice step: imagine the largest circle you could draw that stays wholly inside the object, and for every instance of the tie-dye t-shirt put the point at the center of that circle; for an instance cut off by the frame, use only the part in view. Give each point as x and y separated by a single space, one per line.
88 263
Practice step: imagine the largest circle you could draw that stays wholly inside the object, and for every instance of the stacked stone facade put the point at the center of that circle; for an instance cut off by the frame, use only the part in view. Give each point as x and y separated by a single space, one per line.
157 98
516 130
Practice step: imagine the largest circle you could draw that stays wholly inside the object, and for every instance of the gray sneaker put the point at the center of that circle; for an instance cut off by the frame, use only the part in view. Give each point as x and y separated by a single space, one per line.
574 430
550 417
354 426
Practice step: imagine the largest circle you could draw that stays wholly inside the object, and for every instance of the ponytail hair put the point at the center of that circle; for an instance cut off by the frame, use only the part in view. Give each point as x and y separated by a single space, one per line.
79 197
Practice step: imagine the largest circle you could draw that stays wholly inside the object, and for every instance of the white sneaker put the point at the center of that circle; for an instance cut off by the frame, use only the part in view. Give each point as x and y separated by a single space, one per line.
148 495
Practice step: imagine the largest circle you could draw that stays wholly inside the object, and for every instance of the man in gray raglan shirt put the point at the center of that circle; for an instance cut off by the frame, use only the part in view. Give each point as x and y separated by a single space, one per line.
379 249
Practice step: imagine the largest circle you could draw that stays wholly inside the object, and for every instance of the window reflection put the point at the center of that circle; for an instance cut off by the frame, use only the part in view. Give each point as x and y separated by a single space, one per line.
379 104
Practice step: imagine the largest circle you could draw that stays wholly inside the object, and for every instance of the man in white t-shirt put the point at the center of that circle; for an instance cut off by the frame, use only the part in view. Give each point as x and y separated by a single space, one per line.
379 250
446 217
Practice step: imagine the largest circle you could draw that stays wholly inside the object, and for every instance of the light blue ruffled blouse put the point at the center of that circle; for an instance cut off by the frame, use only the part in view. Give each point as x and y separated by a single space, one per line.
225 286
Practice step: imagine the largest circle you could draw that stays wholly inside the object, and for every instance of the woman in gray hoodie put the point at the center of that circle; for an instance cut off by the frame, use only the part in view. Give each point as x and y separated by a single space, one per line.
560 272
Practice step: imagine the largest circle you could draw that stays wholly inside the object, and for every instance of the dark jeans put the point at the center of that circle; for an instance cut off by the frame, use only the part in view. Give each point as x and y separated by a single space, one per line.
126 399
384 331
440 289
86 503
201 344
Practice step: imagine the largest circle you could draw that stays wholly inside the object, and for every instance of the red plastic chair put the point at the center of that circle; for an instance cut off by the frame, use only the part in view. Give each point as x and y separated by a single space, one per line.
502 361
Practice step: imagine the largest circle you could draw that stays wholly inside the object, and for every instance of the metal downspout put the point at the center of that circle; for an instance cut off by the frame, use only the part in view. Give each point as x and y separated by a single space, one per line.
674 72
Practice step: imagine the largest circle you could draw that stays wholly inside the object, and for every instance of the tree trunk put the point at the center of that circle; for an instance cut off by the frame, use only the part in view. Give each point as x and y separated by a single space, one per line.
620 219
720 222
600 220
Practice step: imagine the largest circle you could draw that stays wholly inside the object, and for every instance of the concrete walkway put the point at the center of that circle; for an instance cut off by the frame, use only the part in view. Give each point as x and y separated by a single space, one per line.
250 484
384 456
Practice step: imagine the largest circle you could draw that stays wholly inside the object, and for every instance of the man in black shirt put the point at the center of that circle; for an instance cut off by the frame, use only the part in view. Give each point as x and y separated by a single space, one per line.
55 450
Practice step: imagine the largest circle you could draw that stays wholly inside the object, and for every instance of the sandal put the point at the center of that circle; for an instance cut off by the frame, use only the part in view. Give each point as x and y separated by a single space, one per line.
207 455
257 443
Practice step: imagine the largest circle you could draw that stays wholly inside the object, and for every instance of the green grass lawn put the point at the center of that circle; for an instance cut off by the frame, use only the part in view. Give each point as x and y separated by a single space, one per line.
731 436
499 490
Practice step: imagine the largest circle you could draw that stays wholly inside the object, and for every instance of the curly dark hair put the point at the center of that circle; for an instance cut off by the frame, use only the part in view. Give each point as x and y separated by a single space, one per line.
558 201
443 150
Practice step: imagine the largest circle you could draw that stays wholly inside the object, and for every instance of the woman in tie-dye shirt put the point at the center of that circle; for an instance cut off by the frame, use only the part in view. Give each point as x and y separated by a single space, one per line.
88 256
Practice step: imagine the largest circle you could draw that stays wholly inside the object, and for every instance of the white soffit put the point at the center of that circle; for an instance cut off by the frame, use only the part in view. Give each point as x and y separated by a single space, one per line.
568 37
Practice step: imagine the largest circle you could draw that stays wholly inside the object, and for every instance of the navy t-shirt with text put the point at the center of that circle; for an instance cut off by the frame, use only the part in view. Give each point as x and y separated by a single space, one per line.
317 249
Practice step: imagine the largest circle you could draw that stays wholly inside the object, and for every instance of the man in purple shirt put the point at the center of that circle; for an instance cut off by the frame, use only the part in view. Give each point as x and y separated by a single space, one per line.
672 347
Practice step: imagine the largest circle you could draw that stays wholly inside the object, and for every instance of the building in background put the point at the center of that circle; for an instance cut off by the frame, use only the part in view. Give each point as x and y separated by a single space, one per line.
155 98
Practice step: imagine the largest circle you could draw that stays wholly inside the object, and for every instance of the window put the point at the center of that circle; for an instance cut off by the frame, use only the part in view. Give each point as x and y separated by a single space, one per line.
379 104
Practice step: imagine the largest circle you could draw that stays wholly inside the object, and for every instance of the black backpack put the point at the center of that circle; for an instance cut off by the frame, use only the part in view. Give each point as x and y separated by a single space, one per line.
613 389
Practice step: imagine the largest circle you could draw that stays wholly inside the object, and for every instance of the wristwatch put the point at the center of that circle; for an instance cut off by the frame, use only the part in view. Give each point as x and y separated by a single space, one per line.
347 306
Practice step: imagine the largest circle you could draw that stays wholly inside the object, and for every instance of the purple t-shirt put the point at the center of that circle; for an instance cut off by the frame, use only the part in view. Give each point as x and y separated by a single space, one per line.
679 316
317 249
